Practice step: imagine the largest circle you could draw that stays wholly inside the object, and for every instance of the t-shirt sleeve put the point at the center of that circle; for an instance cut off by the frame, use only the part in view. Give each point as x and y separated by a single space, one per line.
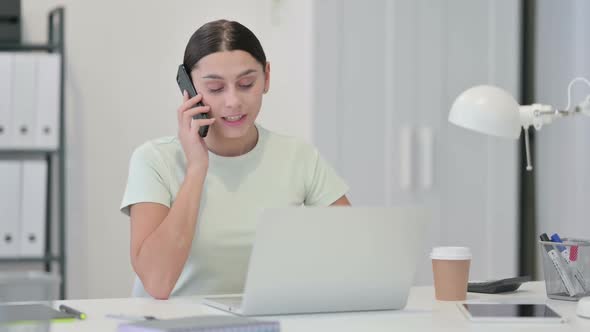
146 181
323 186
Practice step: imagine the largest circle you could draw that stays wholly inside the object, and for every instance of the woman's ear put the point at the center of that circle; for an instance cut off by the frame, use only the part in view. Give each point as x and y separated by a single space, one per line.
266 77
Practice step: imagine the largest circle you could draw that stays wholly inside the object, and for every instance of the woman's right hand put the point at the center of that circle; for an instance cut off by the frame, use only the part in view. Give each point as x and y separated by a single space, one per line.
194 147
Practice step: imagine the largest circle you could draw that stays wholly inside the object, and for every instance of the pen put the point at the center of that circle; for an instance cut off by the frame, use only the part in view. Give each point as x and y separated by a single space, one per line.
565 253
72 311
130 317
557 263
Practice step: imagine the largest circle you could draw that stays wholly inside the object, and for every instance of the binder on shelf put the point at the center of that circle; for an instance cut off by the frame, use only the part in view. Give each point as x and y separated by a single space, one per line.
24 76
47 101
10 21
31 109
33 205
6 66
10 177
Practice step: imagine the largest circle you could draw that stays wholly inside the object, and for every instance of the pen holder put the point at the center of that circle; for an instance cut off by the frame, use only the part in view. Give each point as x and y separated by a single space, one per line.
566 267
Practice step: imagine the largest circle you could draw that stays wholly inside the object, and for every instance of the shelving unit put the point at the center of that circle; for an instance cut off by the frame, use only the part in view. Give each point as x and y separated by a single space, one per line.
56 159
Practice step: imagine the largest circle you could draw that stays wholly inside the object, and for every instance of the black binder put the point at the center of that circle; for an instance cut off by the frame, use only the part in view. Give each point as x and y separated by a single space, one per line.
10 21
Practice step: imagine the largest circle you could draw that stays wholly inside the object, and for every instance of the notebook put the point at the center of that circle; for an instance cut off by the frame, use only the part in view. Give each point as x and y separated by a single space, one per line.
211 323
21 313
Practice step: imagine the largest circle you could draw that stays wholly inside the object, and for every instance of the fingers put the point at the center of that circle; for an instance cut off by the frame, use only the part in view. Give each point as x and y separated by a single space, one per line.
187 103
202 122
187 116
190 103
179 111
196 124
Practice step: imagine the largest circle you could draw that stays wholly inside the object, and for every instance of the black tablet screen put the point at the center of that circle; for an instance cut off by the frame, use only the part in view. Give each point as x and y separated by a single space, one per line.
509 310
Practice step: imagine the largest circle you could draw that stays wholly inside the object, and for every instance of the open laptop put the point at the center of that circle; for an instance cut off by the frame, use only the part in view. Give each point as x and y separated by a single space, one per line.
330 259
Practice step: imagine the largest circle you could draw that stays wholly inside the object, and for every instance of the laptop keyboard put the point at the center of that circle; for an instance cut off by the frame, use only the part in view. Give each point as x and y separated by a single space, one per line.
235 302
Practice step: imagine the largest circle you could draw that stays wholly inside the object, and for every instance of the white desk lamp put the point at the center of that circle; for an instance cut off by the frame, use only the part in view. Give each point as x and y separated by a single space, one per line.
493 111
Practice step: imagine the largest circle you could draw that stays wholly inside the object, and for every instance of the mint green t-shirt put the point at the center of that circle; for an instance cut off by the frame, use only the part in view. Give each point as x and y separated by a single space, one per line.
279 171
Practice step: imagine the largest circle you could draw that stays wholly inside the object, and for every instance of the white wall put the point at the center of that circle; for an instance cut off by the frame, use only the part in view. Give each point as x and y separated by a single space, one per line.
561 151
389 72
120 91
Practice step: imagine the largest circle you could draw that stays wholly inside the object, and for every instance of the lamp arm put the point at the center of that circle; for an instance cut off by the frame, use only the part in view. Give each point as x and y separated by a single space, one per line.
569 96
581 108
537 115
584 107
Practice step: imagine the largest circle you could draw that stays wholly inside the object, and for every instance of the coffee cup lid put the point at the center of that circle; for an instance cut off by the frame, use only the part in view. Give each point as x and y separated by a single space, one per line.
451 253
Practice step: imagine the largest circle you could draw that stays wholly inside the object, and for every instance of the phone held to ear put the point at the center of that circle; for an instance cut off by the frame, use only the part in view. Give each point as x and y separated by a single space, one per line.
185 84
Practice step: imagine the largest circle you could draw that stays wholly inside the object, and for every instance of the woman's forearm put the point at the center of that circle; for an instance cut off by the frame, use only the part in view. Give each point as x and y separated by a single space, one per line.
163 254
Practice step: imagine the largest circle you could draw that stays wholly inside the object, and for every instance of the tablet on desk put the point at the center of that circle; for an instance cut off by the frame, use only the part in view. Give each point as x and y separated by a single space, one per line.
509 312
31 312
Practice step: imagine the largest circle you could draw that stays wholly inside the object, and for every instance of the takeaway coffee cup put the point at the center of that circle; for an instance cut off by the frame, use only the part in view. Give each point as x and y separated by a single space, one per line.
450 268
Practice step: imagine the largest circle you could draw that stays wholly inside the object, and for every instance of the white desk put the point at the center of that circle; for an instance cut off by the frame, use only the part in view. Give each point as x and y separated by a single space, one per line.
422 313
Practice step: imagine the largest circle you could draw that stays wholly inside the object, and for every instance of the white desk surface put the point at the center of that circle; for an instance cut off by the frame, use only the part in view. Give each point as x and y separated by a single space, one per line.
422 313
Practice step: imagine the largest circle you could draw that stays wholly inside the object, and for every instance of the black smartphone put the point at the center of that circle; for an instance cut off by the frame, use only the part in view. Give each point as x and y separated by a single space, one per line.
185 84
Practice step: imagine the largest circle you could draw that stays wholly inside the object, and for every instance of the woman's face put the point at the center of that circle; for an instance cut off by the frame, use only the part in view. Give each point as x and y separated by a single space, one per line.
232 84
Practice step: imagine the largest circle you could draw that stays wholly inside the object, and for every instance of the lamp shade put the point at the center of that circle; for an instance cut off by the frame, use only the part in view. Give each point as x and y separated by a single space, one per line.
487 109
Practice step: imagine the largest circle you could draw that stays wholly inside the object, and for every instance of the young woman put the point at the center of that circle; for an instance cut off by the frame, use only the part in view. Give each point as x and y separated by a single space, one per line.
193 202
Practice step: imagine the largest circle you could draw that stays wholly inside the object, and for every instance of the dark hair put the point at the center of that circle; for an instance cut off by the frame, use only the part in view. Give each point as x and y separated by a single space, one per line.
222 35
